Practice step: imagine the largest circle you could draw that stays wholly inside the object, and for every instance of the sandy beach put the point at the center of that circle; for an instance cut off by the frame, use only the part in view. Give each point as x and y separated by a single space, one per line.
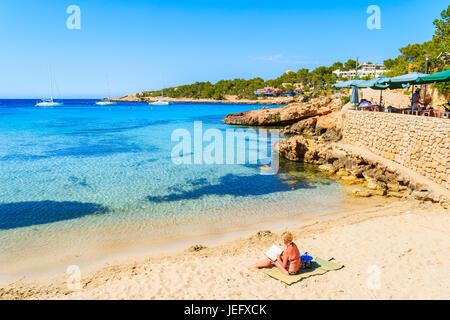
397 250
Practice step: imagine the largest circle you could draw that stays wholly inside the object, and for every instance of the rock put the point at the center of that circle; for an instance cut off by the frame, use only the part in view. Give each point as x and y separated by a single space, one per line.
329 122
395 194
422 195
416 186
196 248
351 180
327 167
372 185
360 193
299 148
379 192
369 174
395 187
287 115
342 172
293 149
331 135
357 172
306 127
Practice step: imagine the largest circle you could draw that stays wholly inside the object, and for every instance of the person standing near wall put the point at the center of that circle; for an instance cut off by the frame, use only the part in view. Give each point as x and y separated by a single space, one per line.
415 99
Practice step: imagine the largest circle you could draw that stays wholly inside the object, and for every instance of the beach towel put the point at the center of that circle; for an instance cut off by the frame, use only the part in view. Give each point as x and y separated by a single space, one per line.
318 266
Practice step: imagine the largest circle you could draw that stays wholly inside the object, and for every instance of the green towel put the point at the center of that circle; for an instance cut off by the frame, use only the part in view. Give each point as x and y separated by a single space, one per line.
318 266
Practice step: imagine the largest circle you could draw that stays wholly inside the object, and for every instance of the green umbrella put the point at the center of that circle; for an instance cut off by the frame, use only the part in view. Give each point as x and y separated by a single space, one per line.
380 83
347 84
443 76
405 81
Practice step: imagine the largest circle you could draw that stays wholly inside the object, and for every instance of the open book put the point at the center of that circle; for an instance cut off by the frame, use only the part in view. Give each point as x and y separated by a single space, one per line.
273 251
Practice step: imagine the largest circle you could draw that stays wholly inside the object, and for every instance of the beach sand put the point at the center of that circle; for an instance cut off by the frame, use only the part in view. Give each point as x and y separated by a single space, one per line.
398 250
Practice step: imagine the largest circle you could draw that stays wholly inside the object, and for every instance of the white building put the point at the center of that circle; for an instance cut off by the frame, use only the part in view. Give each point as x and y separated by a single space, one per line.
364 70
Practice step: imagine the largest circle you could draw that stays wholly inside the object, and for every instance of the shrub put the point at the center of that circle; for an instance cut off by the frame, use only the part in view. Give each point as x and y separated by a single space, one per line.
345 99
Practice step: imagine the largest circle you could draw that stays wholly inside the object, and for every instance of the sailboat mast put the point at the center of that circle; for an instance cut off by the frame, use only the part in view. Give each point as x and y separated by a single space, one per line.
51 82
108 88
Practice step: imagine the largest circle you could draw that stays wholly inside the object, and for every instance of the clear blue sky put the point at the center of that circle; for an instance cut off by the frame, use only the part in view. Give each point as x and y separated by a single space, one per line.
141 45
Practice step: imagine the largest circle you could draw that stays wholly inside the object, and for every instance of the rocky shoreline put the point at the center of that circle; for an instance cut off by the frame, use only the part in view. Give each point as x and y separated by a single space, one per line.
315 137
274 101
288 115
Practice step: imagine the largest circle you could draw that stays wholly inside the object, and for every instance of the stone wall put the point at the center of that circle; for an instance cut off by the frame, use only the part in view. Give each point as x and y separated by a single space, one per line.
421 144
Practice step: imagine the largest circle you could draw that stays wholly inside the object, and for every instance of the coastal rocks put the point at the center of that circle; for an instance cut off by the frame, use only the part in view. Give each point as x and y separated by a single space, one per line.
372 185
305 127
287 115
293 149
299 148
329 122
360 193
352 169
422 195
351 180
328 168
393 194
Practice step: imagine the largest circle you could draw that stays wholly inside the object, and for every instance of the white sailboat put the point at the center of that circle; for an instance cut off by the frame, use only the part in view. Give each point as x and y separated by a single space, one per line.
161 102
106 101
49 102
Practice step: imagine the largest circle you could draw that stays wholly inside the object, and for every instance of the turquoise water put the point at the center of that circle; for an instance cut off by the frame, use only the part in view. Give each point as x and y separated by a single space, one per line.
84 176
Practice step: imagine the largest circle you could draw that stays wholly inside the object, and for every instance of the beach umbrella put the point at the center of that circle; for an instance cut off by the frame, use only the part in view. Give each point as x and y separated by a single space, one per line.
443 76
355 96
347 84
379 83
405 81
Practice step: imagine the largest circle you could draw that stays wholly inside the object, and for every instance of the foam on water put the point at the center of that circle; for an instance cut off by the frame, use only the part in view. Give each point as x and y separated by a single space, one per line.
82 175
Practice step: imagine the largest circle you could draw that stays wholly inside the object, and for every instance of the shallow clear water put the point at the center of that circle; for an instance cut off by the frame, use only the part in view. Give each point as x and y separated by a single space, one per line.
84 175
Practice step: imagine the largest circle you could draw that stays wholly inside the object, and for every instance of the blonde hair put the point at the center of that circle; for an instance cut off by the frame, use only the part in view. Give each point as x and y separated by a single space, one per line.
287 236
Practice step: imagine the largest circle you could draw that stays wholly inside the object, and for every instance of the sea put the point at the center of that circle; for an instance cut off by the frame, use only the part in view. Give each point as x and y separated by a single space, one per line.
83 178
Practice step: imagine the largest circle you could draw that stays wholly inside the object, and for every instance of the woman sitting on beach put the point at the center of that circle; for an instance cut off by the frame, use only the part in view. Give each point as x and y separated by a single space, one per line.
288 261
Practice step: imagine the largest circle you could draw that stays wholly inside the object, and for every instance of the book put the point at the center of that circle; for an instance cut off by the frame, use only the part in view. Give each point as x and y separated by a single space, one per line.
273 251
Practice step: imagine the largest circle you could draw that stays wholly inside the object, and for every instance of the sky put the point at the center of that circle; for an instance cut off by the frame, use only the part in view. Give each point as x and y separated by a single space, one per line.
145 45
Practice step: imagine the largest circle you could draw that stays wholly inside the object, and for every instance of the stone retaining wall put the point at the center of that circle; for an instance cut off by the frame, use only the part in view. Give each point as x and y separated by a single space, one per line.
421 144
